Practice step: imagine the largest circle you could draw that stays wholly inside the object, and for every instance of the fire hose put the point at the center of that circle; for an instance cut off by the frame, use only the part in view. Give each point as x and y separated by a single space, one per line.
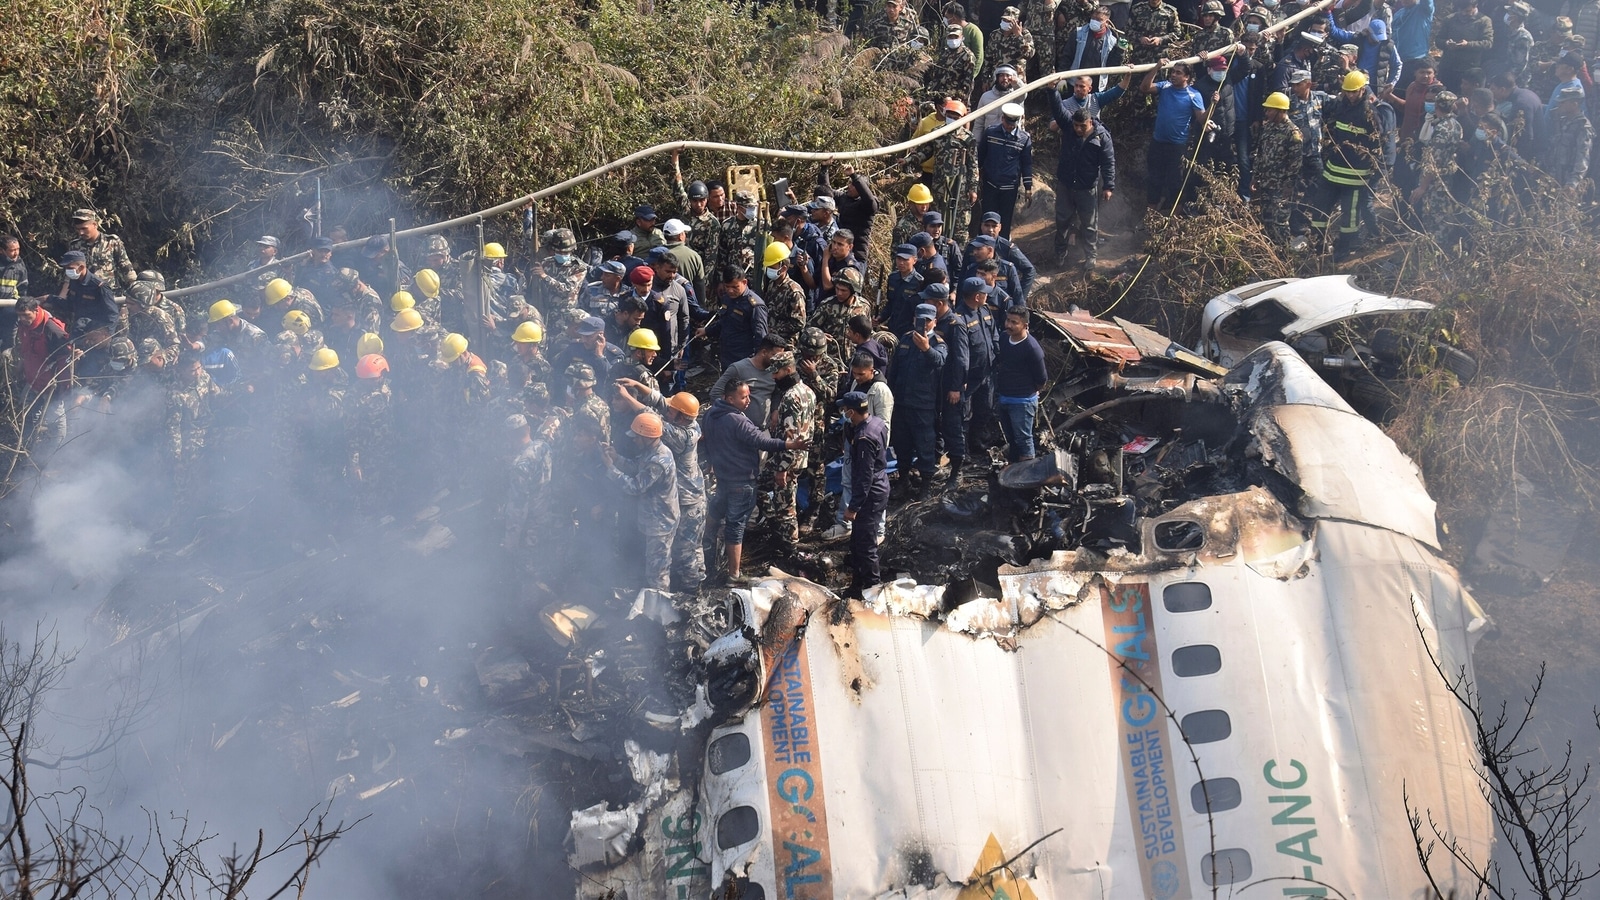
1047 81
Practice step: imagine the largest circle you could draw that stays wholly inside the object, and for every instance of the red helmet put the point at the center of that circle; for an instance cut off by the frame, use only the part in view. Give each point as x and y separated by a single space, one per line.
372 365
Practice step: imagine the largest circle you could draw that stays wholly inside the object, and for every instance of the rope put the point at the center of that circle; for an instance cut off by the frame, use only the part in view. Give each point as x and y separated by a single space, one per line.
1049 81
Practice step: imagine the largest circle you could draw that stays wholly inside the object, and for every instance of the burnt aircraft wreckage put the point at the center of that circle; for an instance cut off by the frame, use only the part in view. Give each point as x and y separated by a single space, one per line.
1187 650
1190 651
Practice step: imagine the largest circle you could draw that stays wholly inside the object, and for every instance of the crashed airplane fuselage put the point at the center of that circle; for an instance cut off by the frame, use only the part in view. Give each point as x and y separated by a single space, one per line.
1241 692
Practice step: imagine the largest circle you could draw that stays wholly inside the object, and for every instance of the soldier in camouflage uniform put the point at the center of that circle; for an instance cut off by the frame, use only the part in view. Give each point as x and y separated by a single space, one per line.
704 227
892 31
1040 18
583 402
1442 134
368 305
1070 15
188 416
427 285
1328 67
146 320
680 432
833 315
180 319
1212 35
736 245
1571 140
528 498
951 72
652 477
324 447
793 417
918 201
818 366
1152 29
107 255
372 437
1279 148
786 299
1009 45
560 278
281 297
955 172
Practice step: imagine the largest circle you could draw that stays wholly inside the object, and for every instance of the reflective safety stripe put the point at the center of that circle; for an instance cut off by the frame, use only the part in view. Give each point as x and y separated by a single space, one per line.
1353 129
1344 174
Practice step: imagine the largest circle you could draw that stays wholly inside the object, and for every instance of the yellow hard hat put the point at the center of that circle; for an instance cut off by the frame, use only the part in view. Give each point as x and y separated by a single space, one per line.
643 339
296 321
493 250
528 333
222 309
406 320
324 359
451 346
277 289
368 344
402 300
1354 80
920 194
427 281
776 253
1277 100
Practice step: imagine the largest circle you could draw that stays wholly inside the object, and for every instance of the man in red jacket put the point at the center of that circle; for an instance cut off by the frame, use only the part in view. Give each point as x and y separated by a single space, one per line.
47 354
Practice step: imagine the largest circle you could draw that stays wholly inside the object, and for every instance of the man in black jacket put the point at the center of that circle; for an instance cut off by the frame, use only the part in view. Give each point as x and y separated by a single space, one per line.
856 202
13 287
1086 173
868 440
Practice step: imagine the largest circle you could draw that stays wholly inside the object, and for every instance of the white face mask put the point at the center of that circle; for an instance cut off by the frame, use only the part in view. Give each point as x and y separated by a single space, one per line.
563 258
952 43
73 274
1096 26
772 273
1005 26
750 212
1219 76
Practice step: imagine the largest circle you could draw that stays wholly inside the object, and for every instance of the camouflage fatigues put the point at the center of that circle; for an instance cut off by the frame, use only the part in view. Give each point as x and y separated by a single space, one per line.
303 300
372 448
688 556
705 229
786 307
834 317
654 481
595 408
894 38
794 417
904 229
108 258
1439 159
1519 53
529 508
1006 48
1146 21
955 178
1328 69
154 323
1569 149
950 75
1207 40
1277 155
1072 15
736 246
559 286
1040 18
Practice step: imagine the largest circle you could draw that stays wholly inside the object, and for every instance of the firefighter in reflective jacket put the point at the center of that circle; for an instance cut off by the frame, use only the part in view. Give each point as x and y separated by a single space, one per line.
1352 146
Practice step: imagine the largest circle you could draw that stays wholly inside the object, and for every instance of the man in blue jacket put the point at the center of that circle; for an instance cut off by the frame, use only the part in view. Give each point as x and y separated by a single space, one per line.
868 440
914 380
1005 165
741 322
982 334
732 448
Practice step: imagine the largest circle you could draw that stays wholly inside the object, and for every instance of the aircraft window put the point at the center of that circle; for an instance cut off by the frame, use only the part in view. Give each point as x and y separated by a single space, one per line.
739 825
1186 596
1180 535
1206 726
1220 793
1263 321
1187 662
1229 866
728 752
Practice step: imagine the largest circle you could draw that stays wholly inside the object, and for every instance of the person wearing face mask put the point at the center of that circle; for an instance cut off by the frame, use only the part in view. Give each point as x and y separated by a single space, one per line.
952 70
1518 48
736 246
955 172
1523 114
560 277
651 477
106 254
84 302
1093 46
1440 143
691 265
786 299
1010 44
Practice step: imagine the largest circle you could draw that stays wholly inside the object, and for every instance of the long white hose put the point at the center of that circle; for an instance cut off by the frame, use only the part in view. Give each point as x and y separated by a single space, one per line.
1048 81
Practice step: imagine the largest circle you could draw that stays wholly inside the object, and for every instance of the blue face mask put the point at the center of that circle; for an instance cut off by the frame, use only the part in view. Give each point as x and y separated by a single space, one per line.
1427 107
1480 135
563 259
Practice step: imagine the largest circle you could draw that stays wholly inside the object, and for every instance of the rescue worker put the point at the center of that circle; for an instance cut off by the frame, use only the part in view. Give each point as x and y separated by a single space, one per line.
868 439
85 302
741 319
582 402
736 245
46 353
529 365
785 299
793 417
951 73
982 337
833 315
561 276
13 287
106 255
901 294
373 464
284 296
680 432
528 505
733 446
914 377
1352 151
1277 154
146 320
955 172
704 227
918 200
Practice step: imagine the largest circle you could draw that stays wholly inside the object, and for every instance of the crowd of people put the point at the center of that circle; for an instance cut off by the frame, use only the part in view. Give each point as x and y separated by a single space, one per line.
1463 119
561 394
349 383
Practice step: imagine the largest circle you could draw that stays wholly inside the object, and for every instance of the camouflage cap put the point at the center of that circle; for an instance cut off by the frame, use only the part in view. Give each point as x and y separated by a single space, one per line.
437 244
850 277
563 240
783 359
813 339
536 392
350 277
142 293
516 422
85 215
581 374
573 317
744 198
1012 13
148 348
122 351
154 277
